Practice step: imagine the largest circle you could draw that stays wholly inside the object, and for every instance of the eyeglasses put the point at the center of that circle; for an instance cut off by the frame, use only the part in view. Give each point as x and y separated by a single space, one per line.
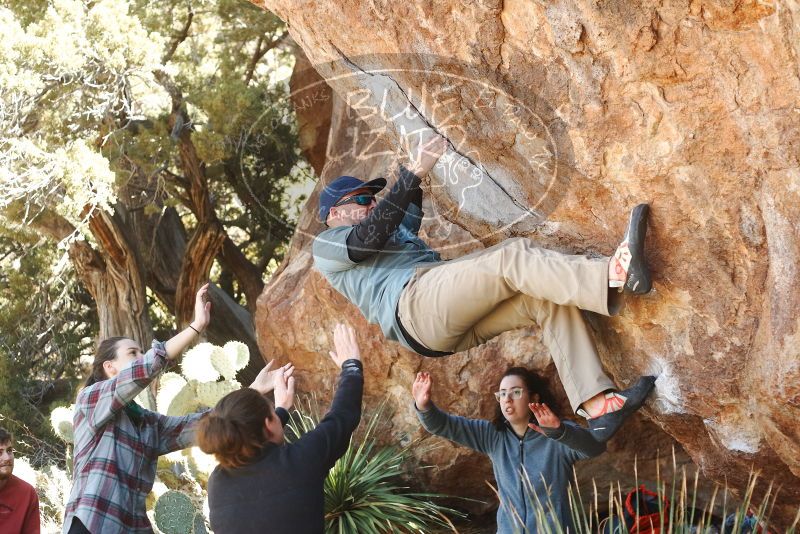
513 394
361 200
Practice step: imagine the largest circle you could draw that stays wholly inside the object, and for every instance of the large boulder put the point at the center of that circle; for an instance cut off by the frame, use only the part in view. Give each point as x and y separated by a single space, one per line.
299 310
561 117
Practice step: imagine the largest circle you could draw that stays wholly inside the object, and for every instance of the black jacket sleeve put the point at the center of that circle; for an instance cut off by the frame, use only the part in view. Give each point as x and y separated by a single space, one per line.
370 235
321 447
282 414
416 196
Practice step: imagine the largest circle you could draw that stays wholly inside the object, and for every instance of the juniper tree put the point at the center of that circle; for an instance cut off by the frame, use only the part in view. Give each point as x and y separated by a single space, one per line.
153 143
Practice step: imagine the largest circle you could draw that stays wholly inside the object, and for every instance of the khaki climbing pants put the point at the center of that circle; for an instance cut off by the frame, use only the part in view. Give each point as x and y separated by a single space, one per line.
460 304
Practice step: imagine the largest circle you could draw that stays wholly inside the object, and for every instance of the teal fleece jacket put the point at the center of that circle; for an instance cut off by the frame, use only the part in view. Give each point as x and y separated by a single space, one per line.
547 461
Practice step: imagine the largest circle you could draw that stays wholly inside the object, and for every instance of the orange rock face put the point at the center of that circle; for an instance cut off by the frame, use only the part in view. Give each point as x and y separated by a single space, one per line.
561 117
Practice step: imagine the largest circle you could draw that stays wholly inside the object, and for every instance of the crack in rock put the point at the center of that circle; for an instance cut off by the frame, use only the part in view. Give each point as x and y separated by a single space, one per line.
525 210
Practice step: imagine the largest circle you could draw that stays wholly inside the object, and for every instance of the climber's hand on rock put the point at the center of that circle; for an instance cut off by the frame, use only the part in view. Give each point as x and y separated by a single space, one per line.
427 154
545 417
344 340
421 389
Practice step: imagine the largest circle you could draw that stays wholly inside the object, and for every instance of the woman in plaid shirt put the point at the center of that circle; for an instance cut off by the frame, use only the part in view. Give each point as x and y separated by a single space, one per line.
117 442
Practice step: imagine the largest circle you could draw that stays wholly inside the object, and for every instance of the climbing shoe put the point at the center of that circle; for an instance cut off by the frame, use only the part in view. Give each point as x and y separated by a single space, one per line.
630 255
605 426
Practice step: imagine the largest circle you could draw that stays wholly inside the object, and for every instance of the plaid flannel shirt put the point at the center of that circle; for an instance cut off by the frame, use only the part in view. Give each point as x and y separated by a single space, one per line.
114 458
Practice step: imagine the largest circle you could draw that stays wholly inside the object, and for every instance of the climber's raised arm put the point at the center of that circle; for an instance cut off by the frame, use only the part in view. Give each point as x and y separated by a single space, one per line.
374 222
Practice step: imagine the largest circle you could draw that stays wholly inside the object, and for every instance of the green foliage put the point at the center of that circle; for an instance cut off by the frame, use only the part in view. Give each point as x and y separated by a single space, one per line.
61 76
85 118
88 122
46 325
175 513
241 121
364 492
85 125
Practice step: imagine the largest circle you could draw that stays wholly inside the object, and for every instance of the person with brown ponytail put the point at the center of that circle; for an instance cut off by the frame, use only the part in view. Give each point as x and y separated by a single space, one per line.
263 484
117 442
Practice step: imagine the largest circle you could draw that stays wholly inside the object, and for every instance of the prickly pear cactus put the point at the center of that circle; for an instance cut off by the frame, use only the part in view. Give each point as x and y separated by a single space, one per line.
146 399
175 513
200 524
197 363
61 420
190 464
200 383
200 464
236 355
176 395
209 393
206 362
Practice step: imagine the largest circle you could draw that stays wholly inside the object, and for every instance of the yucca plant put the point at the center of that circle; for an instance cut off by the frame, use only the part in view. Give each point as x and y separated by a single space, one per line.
363 491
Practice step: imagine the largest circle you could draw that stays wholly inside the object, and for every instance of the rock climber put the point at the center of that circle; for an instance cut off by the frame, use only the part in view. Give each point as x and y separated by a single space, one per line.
372 254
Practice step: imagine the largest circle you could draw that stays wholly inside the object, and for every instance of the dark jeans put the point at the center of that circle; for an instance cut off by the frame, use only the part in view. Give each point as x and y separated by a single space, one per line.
77 527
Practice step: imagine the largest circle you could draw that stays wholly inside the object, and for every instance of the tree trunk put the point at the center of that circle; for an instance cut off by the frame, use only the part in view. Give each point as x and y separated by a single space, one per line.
153 248
136 250
161 240
200 252
112 275
247 274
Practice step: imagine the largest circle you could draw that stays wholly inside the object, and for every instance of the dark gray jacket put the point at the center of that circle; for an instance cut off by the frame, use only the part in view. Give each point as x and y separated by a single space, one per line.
281 491
547 462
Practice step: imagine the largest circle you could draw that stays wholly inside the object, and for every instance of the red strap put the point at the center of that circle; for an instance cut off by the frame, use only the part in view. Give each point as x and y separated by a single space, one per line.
649 523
